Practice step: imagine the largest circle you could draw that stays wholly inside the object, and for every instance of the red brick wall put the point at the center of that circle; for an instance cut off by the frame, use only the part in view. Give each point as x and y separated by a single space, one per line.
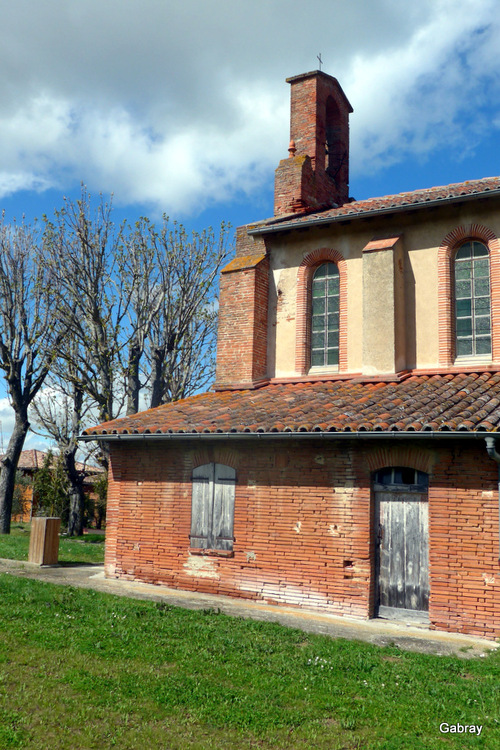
319 110
242 334
303 524
465 571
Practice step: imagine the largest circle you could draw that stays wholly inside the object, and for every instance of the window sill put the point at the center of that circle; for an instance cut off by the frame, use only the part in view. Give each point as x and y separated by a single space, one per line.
473 361
211 552
325 370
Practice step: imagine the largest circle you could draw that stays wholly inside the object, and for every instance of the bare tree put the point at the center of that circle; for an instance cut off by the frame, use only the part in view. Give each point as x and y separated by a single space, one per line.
140 276
59 410
181 345
31 331
139 304
82 245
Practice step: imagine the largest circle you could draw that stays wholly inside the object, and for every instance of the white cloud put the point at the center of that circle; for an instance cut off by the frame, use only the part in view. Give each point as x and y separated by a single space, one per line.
182 105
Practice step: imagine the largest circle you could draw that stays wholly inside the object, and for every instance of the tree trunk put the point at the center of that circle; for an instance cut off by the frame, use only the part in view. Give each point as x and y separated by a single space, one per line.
8 473
133 381
157 376
76 496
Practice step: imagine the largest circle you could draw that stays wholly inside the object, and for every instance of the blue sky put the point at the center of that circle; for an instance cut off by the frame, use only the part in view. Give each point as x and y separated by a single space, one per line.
183 109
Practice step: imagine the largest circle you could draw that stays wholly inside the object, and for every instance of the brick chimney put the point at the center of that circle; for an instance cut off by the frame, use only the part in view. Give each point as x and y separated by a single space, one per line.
316 174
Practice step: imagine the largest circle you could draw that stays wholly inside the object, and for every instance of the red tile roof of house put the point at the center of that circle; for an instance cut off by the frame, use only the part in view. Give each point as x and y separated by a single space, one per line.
385 204
462 402
33 459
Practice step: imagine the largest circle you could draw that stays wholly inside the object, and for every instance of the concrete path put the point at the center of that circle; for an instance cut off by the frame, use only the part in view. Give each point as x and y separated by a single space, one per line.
379 632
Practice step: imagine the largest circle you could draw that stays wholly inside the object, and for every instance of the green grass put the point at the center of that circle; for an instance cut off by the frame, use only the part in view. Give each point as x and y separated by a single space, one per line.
80 549
80 670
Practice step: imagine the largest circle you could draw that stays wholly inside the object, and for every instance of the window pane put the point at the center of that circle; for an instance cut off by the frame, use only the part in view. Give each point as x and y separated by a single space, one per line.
318 288
479 249
333 304
333 286
333 321
464 252
422 479
464 347
318 306
333 339
320 272
481 267
408 476
483 324
483 345
464 308
463 289
464 326
481 287
463 271
481 305
333 357
318 322
318 340
317 358
465 264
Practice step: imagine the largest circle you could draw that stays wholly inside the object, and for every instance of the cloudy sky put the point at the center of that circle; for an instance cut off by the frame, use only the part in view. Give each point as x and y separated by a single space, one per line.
182 107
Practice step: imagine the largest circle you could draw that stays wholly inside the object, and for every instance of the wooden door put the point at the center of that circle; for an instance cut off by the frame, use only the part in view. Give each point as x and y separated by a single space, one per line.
403 551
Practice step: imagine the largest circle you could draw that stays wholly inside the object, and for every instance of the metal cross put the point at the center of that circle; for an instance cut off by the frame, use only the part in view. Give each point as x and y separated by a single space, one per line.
320 60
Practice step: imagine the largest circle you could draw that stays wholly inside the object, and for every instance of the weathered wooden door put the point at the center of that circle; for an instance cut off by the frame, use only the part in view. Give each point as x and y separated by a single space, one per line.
401 513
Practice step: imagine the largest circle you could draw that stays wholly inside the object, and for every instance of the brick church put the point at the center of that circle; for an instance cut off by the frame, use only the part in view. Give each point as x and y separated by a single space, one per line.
345 459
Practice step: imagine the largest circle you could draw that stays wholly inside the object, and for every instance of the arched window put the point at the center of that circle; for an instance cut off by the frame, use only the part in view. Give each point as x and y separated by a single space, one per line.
472 300
325 316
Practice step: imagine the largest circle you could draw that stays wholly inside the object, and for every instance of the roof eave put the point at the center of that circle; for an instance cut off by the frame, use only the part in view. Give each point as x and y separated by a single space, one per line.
359 434
287 226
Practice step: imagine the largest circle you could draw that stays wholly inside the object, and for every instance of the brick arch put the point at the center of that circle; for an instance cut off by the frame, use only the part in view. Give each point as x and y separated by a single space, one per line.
214 455
410 456
304 282
446 253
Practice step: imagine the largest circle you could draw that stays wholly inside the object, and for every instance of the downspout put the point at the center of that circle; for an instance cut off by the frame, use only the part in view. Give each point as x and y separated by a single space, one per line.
492 453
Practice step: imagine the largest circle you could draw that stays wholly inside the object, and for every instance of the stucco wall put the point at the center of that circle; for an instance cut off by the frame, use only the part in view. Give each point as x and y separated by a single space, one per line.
421 233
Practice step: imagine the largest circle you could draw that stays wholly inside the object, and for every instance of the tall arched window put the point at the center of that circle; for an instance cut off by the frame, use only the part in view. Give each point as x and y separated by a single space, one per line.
472 300
325 316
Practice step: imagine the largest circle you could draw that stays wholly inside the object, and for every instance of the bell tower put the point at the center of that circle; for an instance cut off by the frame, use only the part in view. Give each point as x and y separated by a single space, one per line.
316 174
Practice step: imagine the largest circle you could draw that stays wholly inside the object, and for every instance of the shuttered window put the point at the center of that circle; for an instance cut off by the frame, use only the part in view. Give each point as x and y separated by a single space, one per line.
212 510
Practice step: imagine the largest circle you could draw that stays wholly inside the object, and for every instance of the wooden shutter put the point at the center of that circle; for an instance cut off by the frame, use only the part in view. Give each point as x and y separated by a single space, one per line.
223 513
201 507
212 508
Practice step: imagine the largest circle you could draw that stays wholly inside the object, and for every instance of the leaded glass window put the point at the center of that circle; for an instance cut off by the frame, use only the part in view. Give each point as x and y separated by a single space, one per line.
325 316
472 300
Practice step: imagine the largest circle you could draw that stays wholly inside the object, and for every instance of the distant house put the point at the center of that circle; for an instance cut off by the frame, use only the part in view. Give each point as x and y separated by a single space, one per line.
30 462
346 458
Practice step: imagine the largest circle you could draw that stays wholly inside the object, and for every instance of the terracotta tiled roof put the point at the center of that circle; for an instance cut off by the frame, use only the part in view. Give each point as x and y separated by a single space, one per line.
451 402
31 460
415 198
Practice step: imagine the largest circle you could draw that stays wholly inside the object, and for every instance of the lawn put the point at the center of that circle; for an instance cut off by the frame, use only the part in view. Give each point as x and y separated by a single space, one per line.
80 669
79 549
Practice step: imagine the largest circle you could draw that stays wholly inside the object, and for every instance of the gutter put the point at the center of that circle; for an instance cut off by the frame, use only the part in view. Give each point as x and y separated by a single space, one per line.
321 220
359 434
492 453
